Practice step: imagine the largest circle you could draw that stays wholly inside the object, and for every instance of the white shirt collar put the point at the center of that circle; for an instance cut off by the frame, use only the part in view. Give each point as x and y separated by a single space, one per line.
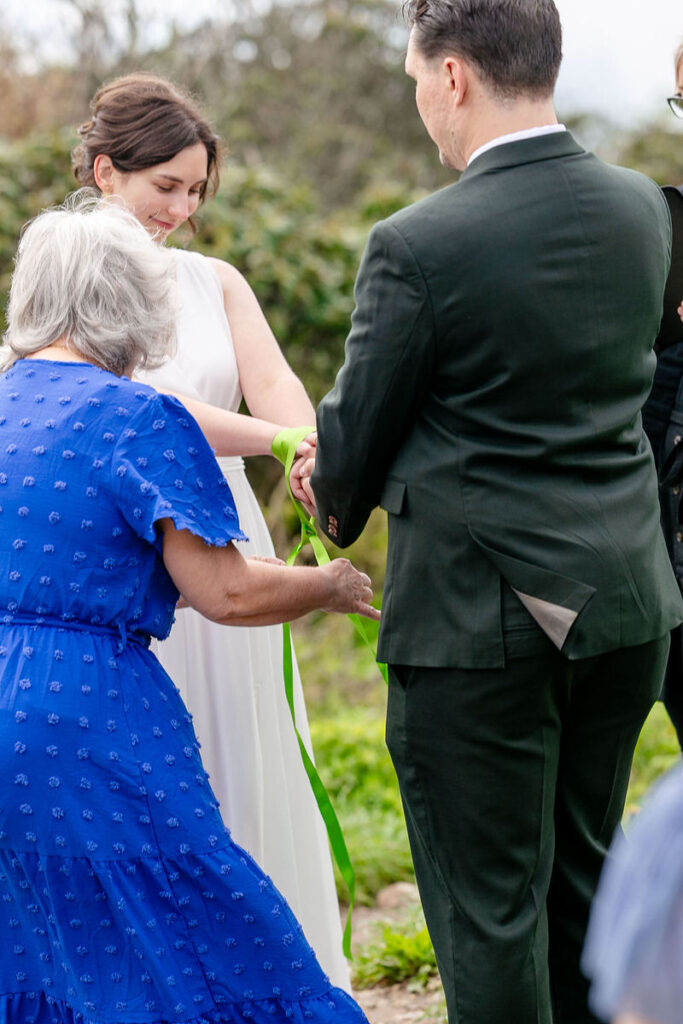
527 133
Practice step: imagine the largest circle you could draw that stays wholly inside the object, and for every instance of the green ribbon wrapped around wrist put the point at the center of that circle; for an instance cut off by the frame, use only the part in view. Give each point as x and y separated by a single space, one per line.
284 449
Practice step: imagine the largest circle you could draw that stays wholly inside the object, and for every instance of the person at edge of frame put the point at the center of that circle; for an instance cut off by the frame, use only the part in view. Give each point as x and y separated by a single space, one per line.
663 418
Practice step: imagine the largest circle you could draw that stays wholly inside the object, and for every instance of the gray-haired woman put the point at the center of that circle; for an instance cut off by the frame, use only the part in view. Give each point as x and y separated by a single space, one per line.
124 896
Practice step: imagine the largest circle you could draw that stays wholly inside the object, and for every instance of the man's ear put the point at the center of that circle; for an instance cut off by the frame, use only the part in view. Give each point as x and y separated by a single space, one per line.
103 172
457 78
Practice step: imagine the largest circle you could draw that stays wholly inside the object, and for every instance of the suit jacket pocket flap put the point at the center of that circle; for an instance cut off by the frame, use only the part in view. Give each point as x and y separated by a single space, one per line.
393 496
537 582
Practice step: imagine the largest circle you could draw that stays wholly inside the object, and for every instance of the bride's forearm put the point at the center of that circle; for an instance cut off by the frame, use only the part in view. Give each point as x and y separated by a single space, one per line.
229 433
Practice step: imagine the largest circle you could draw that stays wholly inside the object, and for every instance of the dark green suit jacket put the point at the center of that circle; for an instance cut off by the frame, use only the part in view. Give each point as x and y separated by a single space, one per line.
499 356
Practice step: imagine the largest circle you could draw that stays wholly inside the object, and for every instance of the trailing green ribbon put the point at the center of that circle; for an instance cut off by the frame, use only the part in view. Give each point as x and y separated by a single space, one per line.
284 449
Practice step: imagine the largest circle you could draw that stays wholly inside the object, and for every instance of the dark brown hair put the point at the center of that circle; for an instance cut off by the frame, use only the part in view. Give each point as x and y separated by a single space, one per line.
515 45
139 121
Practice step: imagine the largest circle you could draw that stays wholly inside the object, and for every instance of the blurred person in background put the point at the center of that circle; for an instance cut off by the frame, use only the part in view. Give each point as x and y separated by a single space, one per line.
663 415
634 945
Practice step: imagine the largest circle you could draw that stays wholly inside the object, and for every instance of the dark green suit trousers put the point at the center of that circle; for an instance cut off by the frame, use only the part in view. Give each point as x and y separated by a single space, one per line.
513 782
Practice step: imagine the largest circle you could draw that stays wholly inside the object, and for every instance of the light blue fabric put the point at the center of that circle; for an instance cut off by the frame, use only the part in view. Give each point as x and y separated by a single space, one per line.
634 946
123 899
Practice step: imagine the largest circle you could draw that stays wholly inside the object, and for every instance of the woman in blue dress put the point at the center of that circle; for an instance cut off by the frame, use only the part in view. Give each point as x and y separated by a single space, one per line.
122 897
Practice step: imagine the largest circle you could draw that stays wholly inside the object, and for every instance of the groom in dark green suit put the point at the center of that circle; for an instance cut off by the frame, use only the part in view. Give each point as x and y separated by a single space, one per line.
499 356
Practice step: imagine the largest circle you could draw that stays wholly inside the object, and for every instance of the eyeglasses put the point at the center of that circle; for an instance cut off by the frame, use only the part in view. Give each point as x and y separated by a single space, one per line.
676 104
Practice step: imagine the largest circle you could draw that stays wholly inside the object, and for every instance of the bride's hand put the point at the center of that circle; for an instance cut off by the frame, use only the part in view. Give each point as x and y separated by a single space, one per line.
306 448
299 481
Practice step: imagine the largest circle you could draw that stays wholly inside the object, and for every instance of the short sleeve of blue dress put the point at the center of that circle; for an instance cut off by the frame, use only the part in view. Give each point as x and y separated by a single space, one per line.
163 468
634 946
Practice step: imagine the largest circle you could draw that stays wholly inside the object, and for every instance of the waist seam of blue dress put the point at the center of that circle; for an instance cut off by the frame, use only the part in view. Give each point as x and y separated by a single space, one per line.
117 631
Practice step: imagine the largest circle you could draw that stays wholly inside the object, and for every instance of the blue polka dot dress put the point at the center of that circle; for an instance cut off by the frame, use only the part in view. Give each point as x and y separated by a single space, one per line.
123 899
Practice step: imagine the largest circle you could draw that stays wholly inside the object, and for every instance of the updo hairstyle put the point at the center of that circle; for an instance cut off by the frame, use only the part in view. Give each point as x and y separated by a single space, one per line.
139 121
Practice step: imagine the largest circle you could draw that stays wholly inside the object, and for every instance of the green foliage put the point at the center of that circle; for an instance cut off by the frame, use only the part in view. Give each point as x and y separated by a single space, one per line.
356 768
402 951
317 90
301 265
657 750
657 153
32 176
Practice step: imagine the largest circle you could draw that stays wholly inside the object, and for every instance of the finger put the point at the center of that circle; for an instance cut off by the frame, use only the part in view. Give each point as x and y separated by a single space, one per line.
307 507
297 490
368 612
305 482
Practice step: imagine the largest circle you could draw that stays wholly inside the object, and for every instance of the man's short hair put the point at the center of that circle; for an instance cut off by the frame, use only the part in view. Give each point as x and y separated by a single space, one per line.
515 45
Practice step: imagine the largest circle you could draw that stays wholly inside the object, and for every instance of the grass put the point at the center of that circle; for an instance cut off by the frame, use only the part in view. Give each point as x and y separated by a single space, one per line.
401 952
357 771
657 751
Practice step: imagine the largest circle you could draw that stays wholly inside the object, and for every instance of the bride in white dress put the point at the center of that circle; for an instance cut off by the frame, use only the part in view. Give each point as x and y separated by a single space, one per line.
230 677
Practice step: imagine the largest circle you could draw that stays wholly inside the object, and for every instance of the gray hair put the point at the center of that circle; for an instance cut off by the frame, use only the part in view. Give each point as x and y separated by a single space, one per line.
678 56
515 45
87 273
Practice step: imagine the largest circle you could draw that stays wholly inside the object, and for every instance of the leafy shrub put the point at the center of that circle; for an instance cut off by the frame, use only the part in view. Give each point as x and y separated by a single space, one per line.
657 750
356 768
401 951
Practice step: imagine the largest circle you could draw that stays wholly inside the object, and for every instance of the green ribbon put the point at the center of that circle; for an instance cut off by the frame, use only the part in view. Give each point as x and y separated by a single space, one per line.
284 449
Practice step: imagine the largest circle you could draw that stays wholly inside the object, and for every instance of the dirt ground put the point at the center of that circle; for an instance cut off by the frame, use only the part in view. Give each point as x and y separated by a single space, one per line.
394 1004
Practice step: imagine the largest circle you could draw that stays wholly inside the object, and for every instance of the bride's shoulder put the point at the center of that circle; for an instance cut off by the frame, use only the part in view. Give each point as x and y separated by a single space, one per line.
233 283
227 273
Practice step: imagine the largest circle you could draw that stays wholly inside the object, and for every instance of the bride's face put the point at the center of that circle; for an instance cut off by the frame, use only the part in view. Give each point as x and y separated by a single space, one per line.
163 196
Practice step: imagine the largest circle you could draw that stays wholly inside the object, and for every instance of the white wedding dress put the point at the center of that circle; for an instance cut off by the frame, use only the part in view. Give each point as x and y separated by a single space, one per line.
231 677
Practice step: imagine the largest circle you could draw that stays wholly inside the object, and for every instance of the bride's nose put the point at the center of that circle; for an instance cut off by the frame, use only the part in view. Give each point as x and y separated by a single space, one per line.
180 207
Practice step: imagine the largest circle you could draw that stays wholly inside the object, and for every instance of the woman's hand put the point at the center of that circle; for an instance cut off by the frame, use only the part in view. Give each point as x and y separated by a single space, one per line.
680 310
300 481
228 588
306 449
352 589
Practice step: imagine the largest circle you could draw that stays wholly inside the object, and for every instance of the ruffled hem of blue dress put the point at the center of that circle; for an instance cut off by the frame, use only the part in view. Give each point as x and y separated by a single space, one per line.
333 1006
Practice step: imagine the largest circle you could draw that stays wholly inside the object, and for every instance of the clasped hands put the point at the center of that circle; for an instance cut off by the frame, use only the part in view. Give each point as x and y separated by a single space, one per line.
300 474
